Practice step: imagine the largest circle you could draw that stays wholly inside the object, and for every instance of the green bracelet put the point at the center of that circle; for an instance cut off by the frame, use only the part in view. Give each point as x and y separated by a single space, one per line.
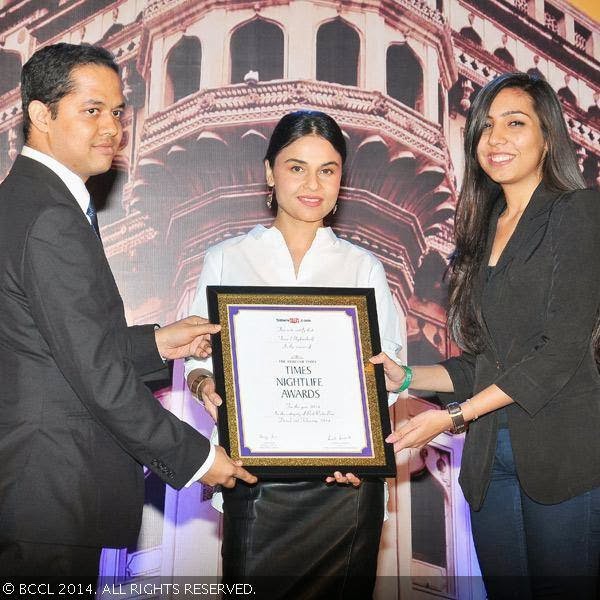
408 375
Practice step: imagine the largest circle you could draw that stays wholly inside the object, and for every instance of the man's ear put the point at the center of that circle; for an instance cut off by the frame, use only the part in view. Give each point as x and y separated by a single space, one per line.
39 114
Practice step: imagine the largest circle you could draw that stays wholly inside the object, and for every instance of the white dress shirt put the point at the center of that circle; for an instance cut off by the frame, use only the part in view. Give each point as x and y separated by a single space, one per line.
76 186
261 257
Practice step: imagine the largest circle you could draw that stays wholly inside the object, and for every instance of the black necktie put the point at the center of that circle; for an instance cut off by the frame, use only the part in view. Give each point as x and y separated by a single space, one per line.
91 213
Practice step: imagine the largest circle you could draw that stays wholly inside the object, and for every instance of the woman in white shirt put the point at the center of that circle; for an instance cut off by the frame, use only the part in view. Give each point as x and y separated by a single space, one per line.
318 538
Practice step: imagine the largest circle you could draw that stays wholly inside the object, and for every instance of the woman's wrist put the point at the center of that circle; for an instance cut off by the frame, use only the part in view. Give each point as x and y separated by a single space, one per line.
408 375
195 384
469 411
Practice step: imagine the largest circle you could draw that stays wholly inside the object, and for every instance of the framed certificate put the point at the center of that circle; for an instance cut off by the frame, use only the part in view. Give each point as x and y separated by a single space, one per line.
300 398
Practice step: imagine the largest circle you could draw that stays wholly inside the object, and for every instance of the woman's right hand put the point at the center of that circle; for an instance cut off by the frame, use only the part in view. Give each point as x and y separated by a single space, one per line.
394 373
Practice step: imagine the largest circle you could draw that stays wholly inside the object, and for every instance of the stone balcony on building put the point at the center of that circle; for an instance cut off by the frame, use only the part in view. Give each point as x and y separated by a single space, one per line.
480 66
582 129
10 109
158 9
267 102
538 35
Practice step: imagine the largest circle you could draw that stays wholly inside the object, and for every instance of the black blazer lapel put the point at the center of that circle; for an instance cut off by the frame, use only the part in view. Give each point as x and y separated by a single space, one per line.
535 216
37 172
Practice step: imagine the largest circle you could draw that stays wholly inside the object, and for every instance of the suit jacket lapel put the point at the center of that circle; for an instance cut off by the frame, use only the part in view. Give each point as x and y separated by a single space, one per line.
535 216
34 169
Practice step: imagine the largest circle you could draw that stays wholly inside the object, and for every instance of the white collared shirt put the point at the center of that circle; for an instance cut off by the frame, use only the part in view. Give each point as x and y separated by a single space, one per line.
74 183
261 257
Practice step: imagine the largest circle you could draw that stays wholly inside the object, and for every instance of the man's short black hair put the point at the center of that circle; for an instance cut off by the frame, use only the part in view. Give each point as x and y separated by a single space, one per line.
46 76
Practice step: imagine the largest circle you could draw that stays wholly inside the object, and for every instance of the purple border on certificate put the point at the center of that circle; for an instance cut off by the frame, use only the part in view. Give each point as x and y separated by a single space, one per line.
234 309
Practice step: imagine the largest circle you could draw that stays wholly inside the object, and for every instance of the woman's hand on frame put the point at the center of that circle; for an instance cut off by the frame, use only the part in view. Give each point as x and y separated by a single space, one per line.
420 430
394 373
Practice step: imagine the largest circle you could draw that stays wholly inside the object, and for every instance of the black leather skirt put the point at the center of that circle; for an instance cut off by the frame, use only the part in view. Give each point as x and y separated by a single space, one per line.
303 539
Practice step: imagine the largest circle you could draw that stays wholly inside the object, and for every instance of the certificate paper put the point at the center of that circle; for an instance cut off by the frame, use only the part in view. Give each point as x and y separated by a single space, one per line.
299 396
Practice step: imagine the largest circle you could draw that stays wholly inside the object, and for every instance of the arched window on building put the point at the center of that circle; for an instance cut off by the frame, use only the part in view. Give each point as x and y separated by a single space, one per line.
525 6
583 38
591 169
566 95
430 285
10 67
404 76
471 34
257 46
183 69
593 112
554 19
535 72
429 507
5 161
112 30
338 47
428 519
153 521
504 55
441 104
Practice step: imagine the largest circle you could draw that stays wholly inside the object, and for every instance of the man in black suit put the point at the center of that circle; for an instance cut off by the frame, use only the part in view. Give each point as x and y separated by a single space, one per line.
76 421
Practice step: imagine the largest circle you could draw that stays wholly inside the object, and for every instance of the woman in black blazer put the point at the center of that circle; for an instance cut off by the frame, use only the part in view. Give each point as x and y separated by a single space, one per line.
524 305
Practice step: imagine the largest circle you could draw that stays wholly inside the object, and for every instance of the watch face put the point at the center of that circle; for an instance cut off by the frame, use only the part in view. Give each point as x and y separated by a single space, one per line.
453 408
458 422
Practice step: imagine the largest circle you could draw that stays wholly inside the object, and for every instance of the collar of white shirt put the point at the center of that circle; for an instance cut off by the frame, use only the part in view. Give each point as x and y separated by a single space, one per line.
323 236
73 182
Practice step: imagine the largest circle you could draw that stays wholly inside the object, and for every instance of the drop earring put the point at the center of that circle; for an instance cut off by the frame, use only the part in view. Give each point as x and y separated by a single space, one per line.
270 198
334 209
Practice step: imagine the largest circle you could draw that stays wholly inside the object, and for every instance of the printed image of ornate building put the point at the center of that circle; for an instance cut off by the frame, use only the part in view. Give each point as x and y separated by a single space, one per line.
205 82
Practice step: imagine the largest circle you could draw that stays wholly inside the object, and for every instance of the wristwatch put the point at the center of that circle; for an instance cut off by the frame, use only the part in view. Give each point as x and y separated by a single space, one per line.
458 421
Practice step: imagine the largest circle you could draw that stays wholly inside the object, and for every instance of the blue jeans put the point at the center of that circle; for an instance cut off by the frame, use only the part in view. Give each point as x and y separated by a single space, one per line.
530 550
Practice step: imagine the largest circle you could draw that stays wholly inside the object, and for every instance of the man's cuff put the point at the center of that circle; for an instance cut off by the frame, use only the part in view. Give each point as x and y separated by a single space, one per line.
206 465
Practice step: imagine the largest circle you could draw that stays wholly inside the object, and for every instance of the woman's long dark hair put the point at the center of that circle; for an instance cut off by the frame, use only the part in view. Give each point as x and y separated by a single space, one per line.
560 172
